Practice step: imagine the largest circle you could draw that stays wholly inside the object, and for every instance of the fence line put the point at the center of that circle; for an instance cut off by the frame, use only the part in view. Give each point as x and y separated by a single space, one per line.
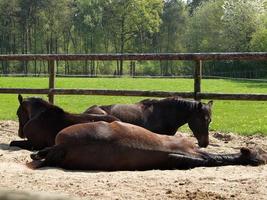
197 57
135 56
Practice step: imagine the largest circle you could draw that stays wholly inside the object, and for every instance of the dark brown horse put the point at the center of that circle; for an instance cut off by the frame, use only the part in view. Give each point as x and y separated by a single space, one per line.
123 146
163 116
40 121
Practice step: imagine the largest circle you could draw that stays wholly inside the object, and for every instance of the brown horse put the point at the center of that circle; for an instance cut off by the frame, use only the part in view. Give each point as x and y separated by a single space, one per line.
40 121
163 116
122 146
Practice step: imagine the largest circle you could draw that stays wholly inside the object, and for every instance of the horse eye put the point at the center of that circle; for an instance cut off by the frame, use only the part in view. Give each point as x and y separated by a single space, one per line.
208 119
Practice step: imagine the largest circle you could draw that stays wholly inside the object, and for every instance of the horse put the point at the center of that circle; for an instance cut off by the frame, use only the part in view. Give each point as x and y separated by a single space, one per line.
163 116
121 146
40 121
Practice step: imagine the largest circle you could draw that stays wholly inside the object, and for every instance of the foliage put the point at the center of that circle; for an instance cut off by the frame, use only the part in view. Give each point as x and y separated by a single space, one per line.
194 4
204 31
259 37
129 26
259 40
241 19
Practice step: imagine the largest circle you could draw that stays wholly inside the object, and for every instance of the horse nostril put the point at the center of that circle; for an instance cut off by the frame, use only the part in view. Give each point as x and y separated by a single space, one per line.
20 133
203 144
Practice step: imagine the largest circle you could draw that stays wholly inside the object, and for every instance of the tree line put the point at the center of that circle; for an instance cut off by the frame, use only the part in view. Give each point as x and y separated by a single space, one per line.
132 26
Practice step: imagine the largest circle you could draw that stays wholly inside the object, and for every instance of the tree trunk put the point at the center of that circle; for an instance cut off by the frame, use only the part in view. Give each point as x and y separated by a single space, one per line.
122 40
1 51
26 49
35 47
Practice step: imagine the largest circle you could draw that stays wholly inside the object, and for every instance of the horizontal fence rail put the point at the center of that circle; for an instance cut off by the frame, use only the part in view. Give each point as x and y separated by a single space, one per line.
197 57
96 92
58 91
147 56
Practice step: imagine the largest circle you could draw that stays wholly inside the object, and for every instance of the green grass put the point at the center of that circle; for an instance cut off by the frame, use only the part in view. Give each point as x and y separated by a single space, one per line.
243 117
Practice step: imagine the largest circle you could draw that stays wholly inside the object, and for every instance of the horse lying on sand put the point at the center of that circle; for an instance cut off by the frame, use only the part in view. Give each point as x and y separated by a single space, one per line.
122 146
40 121
163 116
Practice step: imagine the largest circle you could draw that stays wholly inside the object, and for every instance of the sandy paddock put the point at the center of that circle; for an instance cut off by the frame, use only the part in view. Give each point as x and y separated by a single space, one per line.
230 182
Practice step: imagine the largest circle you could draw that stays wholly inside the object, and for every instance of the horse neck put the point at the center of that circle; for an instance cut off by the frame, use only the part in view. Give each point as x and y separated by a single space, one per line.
84 118
36 112
165 119
36 108
182 117
75 118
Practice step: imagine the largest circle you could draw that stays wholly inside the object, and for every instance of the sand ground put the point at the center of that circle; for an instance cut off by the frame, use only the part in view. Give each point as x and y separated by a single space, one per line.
230 182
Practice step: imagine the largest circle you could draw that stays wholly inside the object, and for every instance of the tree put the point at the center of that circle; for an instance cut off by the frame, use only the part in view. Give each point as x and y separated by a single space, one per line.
88 27
204 31
123 19
193 4
259 37
259 40
172 29
241 19
8 30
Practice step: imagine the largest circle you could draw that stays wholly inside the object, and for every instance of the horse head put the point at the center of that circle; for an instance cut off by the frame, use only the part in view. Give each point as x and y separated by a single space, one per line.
28 108
199 123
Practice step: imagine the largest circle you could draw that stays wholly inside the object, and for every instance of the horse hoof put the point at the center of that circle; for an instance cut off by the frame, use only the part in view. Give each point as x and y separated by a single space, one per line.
13 143
35 156
253 157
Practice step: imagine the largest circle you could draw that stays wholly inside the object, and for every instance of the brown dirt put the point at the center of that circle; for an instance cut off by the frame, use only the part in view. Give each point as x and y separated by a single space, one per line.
230 182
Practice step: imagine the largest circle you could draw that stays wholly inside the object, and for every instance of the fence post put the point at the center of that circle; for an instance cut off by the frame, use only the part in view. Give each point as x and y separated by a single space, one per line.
52 76
197 79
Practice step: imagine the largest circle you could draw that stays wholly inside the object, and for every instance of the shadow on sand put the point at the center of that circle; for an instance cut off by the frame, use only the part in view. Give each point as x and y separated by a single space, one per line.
6 147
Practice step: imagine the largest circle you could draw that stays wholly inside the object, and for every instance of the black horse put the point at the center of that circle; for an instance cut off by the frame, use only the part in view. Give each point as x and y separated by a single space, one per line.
163 116
40 121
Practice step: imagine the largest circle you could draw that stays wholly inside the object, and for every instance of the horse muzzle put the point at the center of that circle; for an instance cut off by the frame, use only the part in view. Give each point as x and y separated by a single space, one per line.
20 133
203 144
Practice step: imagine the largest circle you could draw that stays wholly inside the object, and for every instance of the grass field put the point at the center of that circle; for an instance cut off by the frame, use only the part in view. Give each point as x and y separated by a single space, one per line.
243 117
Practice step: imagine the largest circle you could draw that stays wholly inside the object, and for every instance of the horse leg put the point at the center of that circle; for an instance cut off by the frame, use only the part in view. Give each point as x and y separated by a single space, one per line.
179 161
23 144
52 156
245 157
39 155
35 164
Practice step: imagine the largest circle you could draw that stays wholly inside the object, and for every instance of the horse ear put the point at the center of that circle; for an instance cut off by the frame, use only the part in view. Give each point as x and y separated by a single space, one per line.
210 103
20 98
199 105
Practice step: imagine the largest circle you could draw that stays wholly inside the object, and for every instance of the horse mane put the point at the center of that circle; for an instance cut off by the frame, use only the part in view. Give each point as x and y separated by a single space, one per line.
39 102
179 101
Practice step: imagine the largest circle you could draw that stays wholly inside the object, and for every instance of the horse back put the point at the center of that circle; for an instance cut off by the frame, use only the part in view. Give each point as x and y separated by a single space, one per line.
116 145
123 134
129 113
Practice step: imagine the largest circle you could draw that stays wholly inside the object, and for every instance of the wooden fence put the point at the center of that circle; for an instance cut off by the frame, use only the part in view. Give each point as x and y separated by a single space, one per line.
198 58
